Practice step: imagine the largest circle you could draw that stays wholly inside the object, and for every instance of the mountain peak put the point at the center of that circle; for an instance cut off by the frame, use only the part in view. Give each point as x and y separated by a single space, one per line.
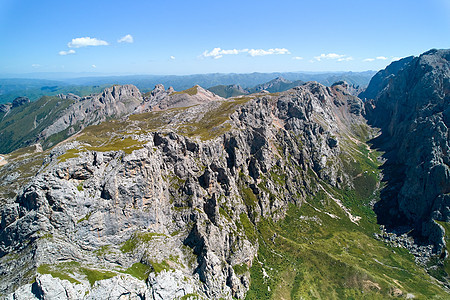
19 101
280 79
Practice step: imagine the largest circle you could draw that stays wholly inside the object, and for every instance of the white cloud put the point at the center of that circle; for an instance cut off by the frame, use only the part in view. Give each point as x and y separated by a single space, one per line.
329 56
94 66
71 51
297 58
218 52
86 41
333 56
172 57
126 39
348 58
376 58
262 52
395 58
35 65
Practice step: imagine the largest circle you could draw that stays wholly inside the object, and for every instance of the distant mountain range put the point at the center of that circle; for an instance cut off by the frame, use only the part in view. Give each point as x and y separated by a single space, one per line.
276 85
12 88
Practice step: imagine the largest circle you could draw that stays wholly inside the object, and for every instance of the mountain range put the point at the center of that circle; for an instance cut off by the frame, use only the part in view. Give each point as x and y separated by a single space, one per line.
293 190
11 88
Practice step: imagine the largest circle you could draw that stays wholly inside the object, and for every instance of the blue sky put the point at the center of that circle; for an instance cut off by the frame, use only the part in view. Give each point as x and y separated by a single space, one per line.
190 37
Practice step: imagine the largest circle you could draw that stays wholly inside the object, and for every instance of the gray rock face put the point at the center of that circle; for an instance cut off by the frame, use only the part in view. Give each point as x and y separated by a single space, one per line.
176 206
412 112
5 108
119 287
69 96
169 285
349 88
49 288
161 99
112 102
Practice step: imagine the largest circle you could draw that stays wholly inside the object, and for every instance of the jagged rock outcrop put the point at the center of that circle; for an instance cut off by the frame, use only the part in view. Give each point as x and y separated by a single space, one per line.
177 202
278 84
413 112
19 101
5 108
115 101
161 99
349 88
69 96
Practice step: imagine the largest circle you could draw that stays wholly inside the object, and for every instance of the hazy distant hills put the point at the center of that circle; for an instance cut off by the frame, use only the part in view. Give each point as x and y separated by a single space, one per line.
82 86
36 88
276 85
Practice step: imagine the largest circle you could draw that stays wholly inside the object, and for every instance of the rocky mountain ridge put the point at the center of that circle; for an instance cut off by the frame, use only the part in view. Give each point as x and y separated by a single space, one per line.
53 119
186 195
181 191
279 84
160 99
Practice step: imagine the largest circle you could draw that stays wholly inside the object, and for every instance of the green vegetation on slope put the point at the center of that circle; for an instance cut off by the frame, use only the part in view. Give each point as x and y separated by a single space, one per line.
192 91
23 124
70 270
225 91
138 239
211 124
317 252
139 270
312 255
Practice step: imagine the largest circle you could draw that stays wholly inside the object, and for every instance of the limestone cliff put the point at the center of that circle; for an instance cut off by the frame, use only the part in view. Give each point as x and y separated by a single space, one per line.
175 193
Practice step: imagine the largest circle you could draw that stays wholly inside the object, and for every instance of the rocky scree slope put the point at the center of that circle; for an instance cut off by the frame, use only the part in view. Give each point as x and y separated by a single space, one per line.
413 111
172 197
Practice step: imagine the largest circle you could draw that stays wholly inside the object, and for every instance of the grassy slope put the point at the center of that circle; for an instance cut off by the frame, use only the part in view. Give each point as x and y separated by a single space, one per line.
311 255
225 91
117 135
24 123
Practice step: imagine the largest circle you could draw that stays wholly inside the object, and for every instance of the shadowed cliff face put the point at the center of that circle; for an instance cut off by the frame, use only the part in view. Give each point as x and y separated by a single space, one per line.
413 112
382 78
